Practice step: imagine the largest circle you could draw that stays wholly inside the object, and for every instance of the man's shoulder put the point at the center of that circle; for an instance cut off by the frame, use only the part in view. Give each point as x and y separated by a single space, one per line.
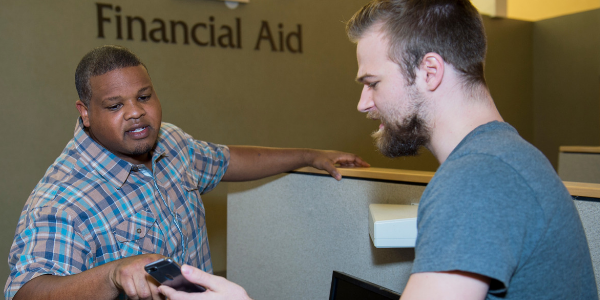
170 128
498 165
64 167
495 163
475 176
498 141
171 131
495 139
65 179
172 137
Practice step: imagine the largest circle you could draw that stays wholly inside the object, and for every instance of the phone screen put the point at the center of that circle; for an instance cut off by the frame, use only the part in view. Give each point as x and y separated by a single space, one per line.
168 272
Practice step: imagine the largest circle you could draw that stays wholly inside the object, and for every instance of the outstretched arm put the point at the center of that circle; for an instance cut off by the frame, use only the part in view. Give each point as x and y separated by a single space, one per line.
250 163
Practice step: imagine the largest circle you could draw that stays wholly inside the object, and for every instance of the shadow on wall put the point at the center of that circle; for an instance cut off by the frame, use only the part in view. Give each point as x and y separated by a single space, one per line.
385 256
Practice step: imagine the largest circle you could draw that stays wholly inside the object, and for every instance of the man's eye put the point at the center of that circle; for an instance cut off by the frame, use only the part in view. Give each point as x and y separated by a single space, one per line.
114 107
144 98
372 84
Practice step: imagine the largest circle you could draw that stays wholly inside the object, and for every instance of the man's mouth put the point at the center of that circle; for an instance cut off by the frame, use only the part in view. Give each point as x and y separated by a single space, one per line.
138 130
373 115
138 133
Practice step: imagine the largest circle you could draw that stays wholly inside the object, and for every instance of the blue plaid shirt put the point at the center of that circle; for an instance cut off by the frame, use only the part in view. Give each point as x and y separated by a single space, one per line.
92 207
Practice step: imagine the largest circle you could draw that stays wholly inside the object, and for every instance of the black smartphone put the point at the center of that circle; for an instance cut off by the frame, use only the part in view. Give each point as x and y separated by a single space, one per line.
168 272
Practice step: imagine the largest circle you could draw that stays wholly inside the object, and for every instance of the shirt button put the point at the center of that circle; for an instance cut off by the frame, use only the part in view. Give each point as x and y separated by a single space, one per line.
139 230
134 168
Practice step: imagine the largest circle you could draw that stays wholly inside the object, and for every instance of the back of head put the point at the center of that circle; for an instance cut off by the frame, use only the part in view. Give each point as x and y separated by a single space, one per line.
451 28
100 61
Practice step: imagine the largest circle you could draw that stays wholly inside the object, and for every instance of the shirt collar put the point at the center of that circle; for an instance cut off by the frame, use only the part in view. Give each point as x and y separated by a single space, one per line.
109 166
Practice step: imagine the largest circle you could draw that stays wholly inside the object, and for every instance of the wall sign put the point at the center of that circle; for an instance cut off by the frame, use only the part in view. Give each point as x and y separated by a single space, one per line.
113 22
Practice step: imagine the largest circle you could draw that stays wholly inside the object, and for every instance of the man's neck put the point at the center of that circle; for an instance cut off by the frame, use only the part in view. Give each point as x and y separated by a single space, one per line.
455 119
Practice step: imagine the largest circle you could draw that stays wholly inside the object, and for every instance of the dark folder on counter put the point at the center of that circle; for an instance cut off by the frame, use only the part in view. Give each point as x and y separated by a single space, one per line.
346 287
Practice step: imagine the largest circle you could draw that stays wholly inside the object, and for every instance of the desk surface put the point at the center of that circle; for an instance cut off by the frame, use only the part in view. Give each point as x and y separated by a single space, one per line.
591 190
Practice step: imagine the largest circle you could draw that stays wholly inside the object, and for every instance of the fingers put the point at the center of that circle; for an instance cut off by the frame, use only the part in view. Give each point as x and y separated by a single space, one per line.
129 288
166 291
327 160
359 162
154 291
352 160
345 159
193 275
137 287
216 287
332 170
131 277
171 294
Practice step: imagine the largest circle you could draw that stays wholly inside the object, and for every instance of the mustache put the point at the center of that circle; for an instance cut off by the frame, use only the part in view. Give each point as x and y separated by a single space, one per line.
373 115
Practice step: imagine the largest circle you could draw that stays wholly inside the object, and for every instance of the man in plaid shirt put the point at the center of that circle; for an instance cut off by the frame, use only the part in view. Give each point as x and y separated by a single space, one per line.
126 191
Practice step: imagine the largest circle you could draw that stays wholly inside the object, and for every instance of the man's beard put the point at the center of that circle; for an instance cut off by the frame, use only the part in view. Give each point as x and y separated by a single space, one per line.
405 137
141 150
395 140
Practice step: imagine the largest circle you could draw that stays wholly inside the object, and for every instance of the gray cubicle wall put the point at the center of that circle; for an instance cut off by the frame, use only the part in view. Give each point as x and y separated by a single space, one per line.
579 167
585 167
589 211
286 234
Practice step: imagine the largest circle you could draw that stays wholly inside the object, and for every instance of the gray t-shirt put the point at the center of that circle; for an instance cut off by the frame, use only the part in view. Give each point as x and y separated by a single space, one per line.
497 208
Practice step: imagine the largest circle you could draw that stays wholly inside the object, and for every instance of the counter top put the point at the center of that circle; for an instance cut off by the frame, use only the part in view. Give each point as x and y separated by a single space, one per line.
378 173
591 190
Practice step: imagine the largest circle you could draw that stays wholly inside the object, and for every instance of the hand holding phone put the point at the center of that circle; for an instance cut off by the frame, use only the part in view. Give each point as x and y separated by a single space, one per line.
168 272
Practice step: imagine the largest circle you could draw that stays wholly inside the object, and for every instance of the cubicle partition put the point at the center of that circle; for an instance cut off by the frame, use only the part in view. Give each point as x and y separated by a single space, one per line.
582 164
579 163
286 234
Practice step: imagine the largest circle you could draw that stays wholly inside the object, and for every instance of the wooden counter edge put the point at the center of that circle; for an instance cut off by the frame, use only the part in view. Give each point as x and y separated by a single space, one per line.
579 149
377 173
582 189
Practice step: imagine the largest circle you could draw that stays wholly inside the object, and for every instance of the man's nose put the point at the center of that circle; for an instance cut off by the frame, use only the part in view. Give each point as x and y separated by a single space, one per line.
366 100
134 110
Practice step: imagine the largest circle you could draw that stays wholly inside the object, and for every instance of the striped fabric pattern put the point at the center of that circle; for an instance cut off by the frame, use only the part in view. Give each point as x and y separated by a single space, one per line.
92 207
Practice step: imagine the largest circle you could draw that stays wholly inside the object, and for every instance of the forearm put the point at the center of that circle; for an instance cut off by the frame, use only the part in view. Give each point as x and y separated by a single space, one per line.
94 283
249 163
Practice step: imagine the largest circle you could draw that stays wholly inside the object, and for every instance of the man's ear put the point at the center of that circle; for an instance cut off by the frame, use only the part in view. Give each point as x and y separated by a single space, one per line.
433 67
83 112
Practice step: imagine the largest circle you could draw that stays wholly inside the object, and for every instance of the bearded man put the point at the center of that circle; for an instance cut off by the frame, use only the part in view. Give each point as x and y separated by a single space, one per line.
495 222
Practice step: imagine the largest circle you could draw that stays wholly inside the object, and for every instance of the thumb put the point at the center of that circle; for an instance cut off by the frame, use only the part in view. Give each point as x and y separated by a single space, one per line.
197 276
169 292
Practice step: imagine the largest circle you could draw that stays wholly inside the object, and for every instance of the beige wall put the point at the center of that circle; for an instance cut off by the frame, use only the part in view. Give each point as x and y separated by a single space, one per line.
231 96
567 82
509 71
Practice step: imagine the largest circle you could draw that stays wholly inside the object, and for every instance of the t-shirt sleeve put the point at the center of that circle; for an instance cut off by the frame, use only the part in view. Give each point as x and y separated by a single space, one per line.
210 163
476 217
46 242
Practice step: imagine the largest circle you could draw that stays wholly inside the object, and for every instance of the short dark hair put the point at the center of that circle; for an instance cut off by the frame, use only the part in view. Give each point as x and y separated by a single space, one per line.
451 28
100 61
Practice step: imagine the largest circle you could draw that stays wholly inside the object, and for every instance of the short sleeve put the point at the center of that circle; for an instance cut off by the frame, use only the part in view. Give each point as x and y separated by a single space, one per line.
476 215
210 164
47 243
